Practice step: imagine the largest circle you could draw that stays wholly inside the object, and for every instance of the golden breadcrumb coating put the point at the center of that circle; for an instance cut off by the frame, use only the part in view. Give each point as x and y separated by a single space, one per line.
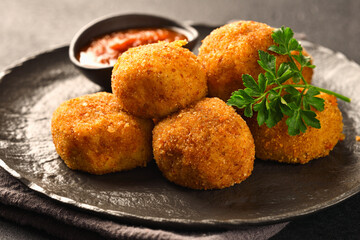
155 80
276 144
206 146
232 50
92 134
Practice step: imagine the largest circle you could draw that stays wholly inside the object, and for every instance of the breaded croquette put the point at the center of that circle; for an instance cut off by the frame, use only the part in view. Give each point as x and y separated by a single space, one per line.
92 134
232 50
155 80
276 144
206 146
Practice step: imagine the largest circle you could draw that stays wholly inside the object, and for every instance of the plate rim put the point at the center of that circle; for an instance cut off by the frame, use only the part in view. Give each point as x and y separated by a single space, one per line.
173 222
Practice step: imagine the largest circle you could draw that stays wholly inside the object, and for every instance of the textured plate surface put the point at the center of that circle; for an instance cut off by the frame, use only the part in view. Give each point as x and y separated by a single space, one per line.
31 91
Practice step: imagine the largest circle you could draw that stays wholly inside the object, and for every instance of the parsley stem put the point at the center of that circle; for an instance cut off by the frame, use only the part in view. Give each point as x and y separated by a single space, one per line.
298 70
271 104
342 97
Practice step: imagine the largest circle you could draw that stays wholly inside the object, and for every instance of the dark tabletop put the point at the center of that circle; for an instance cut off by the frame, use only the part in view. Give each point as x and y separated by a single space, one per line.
29 27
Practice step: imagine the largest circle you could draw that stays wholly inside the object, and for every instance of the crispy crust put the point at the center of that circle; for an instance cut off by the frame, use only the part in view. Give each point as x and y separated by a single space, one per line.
92 134
155 80
205 146
276 144
231 51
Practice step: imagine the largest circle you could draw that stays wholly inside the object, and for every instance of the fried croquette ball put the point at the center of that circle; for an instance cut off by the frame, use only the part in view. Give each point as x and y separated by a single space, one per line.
155 80
232 50
276 144
92 134
206 146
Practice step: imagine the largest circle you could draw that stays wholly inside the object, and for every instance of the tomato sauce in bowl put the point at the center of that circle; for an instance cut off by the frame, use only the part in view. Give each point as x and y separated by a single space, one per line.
96 46
105 50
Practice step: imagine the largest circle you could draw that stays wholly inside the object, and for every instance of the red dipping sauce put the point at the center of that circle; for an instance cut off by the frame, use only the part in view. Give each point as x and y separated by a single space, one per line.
106 49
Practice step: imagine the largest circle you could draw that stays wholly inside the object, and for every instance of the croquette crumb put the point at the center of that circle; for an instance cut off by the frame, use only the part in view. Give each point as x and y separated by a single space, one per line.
342 137
206 146
232 50
155 80
276 144
92 134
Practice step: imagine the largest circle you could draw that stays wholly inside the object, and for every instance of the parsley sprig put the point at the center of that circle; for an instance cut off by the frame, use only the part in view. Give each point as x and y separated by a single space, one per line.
279 100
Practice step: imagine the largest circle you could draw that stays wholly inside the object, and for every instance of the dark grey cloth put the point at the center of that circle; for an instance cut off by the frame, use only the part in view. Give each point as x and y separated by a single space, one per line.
26 207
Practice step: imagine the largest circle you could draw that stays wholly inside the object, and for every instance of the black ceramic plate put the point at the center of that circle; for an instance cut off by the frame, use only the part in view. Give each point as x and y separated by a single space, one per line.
32 90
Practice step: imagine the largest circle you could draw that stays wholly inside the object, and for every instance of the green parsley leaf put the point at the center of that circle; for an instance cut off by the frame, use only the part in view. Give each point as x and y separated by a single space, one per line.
274 112
262 82
286 110
284 68
309 99
309 118
295 123
267 62
249 110
278 49
303 60
294 45
250 83
279 100
262 112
